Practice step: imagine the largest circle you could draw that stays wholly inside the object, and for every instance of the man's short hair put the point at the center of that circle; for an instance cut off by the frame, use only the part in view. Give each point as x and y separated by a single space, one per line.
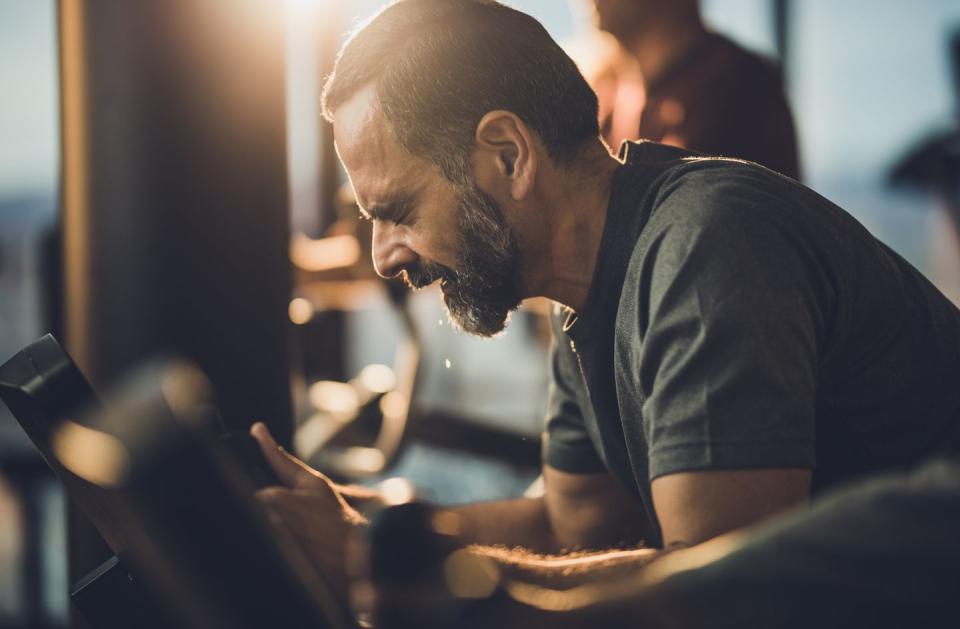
438 66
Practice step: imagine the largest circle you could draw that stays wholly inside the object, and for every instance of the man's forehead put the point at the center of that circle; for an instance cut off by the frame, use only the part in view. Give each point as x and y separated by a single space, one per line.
363 146
358 127
378 167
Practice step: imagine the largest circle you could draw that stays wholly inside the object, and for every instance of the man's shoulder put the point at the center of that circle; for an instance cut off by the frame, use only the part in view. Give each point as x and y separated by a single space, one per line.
675 167
670 175
714 212
723 210
699 191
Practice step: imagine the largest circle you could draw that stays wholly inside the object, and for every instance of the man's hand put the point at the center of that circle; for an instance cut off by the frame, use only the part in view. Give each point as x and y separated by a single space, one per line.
309 507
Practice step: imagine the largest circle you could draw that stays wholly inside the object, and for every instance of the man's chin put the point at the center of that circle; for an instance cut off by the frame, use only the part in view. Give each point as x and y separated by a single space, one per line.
483 328
483 322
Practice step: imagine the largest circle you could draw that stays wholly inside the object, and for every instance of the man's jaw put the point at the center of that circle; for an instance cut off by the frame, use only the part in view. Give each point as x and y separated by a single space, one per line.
462 314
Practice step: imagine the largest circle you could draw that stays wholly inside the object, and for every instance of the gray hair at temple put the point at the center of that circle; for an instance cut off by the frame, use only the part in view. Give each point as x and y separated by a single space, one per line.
439 66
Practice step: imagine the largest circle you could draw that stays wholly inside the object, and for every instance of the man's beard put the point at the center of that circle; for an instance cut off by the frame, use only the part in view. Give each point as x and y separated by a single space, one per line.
484 289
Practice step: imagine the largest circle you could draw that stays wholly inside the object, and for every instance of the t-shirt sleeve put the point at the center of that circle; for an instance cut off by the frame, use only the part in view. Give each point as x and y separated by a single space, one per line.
729 313
567 444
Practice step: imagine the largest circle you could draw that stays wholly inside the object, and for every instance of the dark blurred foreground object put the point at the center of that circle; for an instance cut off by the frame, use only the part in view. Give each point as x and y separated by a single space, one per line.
422 575
877 554
111 597
197 537
172 502
44 389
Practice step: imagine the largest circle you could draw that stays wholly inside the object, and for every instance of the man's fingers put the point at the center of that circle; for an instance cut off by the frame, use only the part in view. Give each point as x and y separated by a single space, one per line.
289 469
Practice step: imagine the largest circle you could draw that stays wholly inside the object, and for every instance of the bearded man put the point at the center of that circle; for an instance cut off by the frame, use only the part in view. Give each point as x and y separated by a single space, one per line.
727 342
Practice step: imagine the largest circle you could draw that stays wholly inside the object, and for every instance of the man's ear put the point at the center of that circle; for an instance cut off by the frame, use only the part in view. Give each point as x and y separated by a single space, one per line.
505 159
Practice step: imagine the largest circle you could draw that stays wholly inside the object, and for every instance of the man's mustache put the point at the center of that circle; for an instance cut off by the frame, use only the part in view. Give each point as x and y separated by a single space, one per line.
423 274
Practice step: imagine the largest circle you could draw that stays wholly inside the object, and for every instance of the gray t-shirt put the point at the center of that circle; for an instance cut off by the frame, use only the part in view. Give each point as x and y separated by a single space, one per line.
736 319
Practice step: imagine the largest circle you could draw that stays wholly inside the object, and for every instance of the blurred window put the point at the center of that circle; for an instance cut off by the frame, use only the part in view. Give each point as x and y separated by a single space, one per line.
29 172
868 80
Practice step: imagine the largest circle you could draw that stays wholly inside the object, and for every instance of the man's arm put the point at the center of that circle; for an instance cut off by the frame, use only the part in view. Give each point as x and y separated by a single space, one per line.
588 513
693 507
866 572
611 588
577 511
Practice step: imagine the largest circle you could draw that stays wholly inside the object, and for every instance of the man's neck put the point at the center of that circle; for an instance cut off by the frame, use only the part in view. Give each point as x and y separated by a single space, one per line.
662 42
577 198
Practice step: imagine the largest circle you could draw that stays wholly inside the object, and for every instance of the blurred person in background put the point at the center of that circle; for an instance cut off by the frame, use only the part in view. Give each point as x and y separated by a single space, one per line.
663 76
728 342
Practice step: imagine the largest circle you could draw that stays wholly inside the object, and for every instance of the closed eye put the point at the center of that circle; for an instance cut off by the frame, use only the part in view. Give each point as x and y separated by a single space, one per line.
396 212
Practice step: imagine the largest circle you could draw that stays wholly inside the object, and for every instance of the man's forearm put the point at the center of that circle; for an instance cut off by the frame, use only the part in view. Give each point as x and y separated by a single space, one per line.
517 536
519 589
510 523
516 522
561 572
535 587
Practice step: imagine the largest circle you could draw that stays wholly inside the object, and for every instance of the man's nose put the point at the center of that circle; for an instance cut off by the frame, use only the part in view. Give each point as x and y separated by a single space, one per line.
390 253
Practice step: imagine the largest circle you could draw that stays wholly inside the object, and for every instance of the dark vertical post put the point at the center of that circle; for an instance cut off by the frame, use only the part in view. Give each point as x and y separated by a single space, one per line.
175 197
